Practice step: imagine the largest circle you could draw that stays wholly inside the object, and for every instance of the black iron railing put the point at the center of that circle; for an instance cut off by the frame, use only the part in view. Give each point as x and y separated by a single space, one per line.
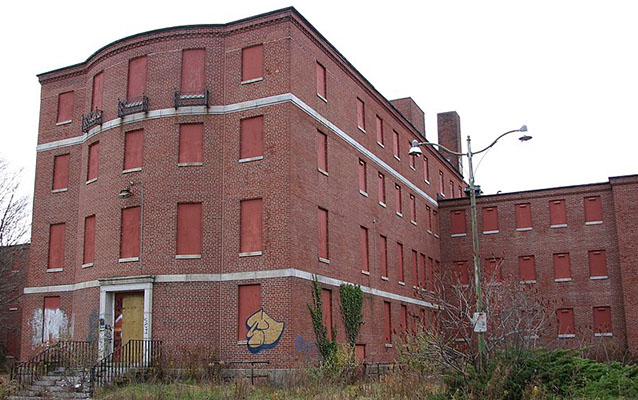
91 119
132 105
62 354
134 356
182 99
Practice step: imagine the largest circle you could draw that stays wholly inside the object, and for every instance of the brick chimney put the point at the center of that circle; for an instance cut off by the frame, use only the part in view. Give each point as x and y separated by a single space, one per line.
449 124
412 112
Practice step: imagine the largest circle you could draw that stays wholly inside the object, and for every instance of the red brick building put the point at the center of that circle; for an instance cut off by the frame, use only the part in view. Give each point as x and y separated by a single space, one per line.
192 181
13 268
188 177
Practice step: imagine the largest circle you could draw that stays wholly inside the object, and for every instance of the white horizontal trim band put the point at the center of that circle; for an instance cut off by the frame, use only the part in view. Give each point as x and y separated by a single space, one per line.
231 108
238 276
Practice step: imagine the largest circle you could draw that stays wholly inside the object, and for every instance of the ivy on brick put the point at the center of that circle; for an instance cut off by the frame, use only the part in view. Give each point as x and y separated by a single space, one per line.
327 348
351 306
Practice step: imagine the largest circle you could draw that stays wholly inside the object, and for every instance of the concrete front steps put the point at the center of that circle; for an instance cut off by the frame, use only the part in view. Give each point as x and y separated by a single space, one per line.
58 384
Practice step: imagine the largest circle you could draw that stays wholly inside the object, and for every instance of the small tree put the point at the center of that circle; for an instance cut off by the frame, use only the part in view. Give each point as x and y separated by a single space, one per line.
327 347
351 305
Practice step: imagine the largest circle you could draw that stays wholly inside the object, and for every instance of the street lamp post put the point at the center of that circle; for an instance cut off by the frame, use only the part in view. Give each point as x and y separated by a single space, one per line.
479 321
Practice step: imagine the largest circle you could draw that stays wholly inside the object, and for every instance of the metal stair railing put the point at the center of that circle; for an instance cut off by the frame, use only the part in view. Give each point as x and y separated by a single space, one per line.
134 355
62 354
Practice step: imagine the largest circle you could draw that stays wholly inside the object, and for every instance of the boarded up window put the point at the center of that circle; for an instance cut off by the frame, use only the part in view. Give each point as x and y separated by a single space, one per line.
523 216
251 225
395 144
593 209
415 268
381 188
361 121
326 304
457 223
193 70
597 263
56 246
435 222
321 81
189 228
322 216
557 213
404 319
383 255
565 321
400 262
65 107
89 240
365 255
412 162
387 327
379 125
360 352
527 268
94 161
451 189
137 68
441 184
493 270
130 233
602 320
133 149
98 89
426 169
61 171
252 63
363 177
51 319
412 208
490 219
249 303
397 199
191 143
428 218
562 268
322 152
462 272
251 137
423 274
429 275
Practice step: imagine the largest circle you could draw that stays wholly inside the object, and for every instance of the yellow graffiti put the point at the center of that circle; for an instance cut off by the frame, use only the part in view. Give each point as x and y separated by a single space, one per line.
263 331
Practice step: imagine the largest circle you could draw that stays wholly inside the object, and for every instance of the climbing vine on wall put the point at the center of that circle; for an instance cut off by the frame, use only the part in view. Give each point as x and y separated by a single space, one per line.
327 347
351 305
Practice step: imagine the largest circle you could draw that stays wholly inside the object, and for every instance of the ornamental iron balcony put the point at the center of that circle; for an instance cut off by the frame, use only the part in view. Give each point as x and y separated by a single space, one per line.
183 99
132 106
91 119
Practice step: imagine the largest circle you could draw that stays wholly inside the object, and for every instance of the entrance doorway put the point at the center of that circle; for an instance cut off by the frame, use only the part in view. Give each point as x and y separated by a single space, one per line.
128 325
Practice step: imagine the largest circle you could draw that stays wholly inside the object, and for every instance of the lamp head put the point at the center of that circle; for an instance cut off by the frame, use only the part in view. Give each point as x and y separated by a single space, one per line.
124 194
415 150
525 138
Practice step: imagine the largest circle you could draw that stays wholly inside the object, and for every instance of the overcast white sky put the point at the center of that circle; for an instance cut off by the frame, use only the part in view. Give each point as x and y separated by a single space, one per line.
567 69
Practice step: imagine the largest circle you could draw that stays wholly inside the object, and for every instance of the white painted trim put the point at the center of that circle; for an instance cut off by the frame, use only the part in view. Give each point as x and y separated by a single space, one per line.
251 253
529 228
562 280
261 78
490 232
249 159
593 223
598 277
187 256
190 164
63 122
558 226
87 265
127 171
324 260
322 171
91 181
229 277
364 272
361 192
59 190
458 235
50 270
129 259
231 108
